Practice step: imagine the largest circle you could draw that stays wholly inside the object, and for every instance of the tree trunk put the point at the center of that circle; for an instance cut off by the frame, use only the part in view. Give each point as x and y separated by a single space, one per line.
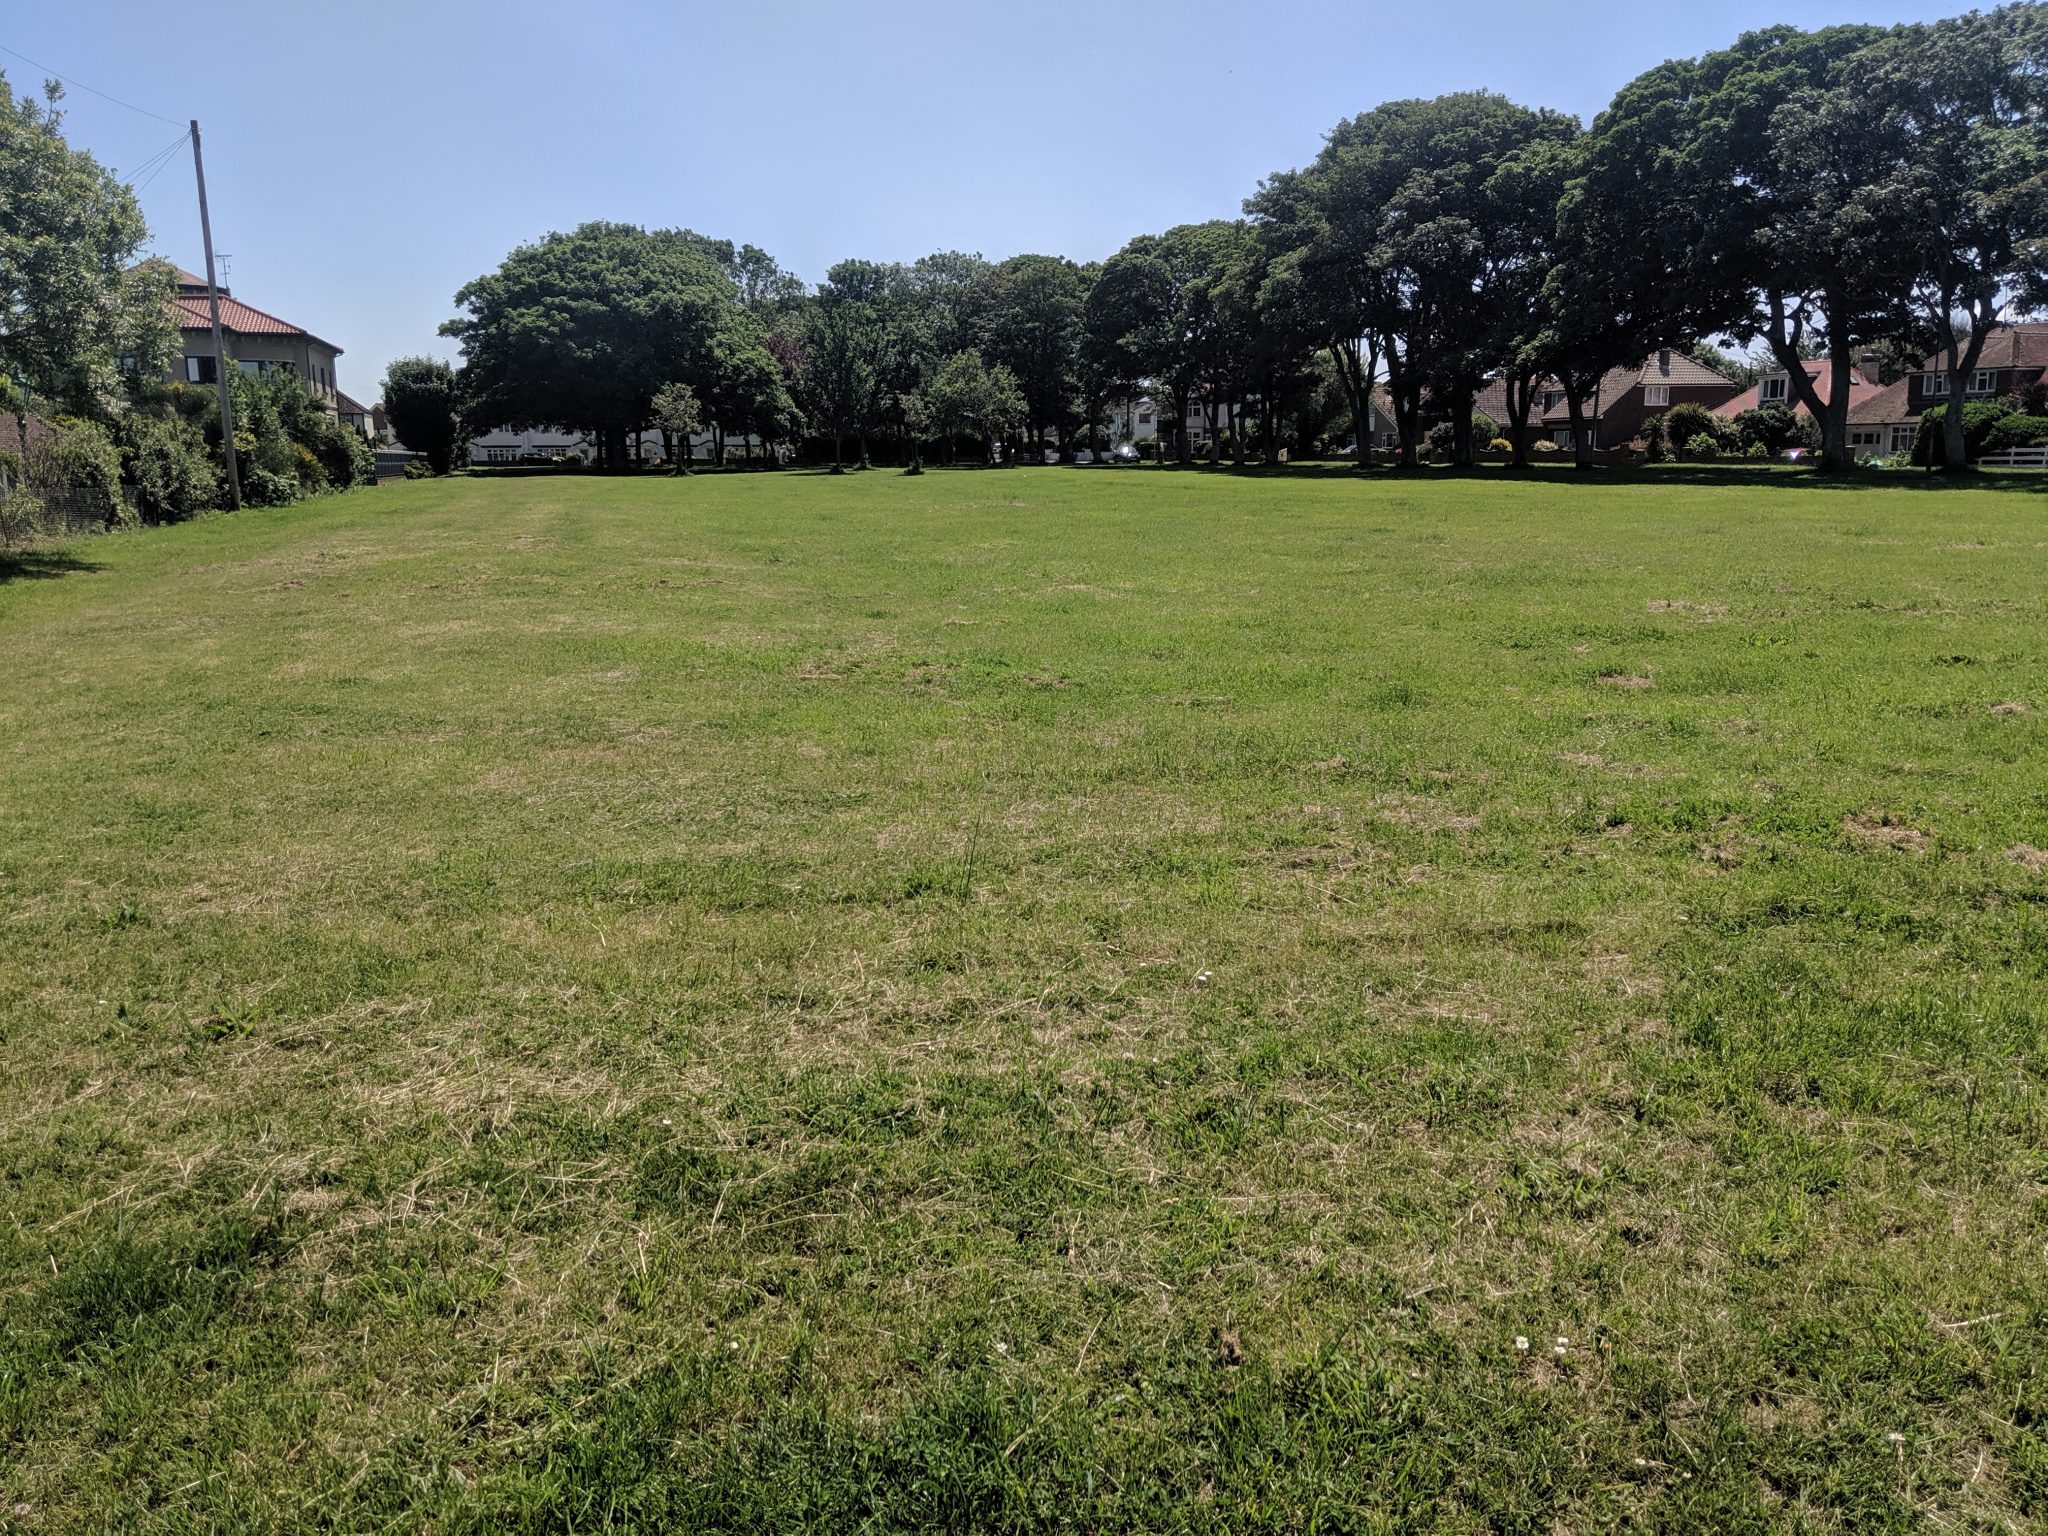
838 453
1521 400
1962 362
1582 440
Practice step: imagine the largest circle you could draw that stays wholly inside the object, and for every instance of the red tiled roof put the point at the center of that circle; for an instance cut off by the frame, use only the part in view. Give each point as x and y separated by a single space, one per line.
1861 387
2021 345
1668 366
1885 408
347 407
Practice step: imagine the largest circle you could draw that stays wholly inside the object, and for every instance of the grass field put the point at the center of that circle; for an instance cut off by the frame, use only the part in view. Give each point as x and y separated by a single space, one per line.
1030 1000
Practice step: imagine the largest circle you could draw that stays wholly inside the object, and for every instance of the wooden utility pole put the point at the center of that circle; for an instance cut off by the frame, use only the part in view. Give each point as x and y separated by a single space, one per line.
220 352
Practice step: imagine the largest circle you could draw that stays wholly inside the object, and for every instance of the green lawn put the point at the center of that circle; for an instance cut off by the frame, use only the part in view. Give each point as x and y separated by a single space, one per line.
1031 1000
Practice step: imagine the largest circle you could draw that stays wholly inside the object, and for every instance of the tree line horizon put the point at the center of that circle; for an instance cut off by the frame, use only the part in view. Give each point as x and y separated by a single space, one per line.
1806 193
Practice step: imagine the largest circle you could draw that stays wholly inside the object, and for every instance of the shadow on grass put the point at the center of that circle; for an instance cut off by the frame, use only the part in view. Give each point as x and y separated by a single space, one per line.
41 565
1762 477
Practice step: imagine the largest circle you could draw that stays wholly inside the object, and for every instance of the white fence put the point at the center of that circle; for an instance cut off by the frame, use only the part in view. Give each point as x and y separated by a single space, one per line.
2017 458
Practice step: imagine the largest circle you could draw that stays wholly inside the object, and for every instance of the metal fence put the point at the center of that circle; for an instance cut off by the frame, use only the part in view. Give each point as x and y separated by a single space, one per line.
30 514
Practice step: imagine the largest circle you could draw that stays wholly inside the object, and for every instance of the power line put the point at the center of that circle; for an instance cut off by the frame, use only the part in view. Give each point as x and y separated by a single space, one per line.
81 85
154 165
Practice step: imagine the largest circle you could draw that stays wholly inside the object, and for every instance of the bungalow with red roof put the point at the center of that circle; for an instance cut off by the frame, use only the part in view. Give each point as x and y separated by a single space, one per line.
256 342
1775 387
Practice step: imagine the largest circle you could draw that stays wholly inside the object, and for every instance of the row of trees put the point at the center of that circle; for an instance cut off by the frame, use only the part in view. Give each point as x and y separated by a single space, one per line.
1806 193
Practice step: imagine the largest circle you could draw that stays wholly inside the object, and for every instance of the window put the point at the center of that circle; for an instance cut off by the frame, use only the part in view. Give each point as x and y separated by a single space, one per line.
1563 439
1902 439
1863 439
200 370
129 364
1144 418
1656 394
1774 388
1983 381
1934 384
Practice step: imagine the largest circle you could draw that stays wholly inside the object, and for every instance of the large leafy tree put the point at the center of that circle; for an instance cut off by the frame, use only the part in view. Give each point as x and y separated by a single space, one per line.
847 353
1959 111
1028 314
423 402
1396 235
1152 317
1771 222
73 300
580 330
967 398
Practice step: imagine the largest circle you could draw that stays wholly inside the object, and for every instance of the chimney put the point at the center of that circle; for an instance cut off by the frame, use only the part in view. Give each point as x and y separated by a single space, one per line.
1870 365
1664 358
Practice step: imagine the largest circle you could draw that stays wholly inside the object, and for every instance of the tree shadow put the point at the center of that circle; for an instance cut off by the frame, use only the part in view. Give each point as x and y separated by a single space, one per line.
41 564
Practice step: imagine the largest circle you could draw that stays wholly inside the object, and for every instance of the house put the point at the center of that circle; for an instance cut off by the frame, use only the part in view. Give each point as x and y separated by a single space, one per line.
1775 387
1627 397
2013 362
1620 404
256 341
354 414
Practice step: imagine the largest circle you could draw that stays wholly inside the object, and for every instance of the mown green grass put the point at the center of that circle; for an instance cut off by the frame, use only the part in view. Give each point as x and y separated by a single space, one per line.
1030 1000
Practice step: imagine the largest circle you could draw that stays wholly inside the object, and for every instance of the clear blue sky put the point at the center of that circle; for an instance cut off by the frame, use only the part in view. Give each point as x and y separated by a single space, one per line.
366 159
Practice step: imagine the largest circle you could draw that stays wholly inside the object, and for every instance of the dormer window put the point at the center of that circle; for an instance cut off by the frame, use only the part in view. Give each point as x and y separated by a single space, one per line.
1934 384
1983 381
1776 388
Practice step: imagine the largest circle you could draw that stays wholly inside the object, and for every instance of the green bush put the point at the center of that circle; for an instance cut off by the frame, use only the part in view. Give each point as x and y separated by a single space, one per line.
1682 427
1443 436
1703 445
1979 417
263 487
417 469
1774 428
168 465
80 458
2015 431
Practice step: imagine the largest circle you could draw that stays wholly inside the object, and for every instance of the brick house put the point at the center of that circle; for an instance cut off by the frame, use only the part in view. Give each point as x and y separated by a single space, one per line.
2014 360
1620 404
1775 388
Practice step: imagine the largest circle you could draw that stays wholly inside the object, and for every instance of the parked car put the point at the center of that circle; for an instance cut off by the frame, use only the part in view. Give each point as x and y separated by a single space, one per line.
1124 453
1084 455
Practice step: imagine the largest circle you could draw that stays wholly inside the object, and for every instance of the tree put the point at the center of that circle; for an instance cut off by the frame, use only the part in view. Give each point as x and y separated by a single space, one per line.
423 402
73 301
1029 315
1400 236
1152 318
965 398
844 351
680 418
580 330
1772 218
1956 108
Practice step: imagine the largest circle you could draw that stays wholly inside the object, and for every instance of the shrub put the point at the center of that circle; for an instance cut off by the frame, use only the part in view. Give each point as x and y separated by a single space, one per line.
1775 427
1979 417
167 463
79 458
263 487
417 469
307 471
1500 445
1543 445
1443 436
1703 445
1684 425
2015 431
1756 450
